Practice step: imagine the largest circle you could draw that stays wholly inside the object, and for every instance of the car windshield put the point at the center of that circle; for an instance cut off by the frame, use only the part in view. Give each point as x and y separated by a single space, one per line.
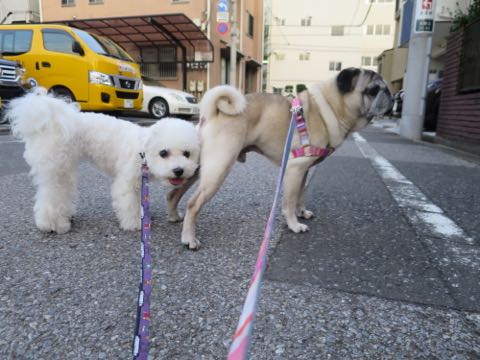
103 46
15 42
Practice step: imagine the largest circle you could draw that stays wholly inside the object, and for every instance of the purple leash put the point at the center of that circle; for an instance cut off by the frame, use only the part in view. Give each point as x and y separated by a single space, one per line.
142 332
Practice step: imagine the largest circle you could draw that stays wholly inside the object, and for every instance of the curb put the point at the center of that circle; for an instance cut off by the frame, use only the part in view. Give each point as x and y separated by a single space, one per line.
463 146
4 129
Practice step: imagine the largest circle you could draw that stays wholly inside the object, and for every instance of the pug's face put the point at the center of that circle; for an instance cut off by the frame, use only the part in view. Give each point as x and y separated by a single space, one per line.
365 93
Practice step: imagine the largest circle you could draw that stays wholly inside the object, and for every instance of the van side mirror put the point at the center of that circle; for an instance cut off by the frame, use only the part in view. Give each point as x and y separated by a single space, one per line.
77 48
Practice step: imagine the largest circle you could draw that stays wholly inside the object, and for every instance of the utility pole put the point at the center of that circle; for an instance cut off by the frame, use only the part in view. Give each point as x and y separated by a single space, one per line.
418 63
233 43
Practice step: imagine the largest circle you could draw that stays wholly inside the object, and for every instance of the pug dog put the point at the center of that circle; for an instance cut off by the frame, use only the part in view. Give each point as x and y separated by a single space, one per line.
232 124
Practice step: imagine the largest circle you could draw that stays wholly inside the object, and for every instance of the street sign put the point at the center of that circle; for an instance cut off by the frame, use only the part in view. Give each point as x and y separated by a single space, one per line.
424 15
222 17
222 6
222 28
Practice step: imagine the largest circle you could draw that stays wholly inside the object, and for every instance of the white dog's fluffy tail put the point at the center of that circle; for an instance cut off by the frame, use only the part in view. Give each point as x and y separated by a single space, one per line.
40 114
225 99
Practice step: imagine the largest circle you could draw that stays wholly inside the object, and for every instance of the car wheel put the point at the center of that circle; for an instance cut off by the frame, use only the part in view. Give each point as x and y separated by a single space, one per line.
158 108
63 93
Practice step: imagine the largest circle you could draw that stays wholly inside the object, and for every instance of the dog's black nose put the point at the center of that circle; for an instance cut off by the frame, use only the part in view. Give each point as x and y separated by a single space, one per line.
178 171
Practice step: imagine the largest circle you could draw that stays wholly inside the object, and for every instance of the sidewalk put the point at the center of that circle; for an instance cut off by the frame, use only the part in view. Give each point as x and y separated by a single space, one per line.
392 125
411 239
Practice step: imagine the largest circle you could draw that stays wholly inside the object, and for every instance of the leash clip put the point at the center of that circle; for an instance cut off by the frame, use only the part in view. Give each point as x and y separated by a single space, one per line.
296 105
143 157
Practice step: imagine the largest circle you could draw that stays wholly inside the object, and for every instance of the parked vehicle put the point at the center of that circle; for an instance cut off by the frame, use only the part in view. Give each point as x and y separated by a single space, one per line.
160 101
11 83
87 68
432 104
397 103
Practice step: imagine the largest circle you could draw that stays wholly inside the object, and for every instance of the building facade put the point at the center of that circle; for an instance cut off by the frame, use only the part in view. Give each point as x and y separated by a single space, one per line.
311 40
201 75
459 114
393 62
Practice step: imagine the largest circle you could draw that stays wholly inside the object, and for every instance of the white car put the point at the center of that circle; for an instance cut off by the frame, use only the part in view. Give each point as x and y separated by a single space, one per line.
160 101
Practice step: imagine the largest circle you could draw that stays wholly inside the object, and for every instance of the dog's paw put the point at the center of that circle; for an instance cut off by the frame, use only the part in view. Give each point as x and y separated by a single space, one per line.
298 228
174 218
305 214
130 225
192 244
61 225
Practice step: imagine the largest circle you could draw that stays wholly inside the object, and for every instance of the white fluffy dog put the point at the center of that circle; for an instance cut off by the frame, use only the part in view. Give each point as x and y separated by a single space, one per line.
58 135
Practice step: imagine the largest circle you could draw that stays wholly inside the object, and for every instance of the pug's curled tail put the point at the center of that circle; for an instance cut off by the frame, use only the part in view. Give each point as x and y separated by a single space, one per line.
225 99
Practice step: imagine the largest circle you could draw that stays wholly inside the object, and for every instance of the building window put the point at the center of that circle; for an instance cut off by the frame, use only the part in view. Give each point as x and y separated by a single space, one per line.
94 2
307 21
335 66
279 56
250 24
159 63
305 56
68 2
369 61
366 61
470 59
277 90
338 30
379 29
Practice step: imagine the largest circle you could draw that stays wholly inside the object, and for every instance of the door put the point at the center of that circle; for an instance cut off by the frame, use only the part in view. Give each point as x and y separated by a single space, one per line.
58 65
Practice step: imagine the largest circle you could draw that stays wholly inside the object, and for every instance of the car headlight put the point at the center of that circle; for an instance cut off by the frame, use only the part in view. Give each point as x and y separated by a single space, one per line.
96 77
20 71
177 97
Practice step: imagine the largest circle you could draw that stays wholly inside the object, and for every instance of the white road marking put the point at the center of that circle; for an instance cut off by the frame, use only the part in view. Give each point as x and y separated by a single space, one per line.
420 211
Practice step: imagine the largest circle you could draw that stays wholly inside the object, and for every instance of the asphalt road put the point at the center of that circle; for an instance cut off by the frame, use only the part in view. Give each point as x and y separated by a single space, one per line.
368 281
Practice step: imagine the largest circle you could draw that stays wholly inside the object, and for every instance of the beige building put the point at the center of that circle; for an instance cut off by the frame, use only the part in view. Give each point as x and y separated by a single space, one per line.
311 40
198 69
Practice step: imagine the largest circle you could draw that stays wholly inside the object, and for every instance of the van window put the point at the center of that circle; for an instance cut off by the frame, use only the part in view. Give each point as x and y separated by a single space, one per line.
15 42
58 40
102 45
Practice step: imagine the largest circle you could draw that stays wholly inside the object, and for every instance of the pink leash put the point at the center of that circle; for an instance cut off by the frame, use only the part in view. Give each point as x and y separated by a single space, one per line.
243 334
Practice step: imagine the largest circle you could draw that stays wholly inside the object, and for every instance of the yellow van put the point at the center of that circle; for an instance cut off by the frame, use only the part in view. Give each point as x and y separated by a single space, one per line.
89 69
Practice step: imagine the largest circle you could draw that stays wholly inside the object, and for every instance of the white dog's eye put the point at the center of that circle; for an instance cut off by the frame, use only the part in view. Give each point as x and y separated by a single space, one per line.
186 154
163 153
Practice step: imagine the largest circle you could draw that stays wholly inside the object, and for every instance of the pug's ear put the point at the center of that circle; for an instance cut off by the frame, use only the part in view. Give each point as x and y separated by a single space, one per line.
347 79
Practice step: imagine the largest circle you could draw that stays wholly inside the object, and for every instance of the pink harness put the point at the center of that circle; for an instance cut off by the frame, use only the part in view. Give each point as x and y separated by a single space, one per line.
306 149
